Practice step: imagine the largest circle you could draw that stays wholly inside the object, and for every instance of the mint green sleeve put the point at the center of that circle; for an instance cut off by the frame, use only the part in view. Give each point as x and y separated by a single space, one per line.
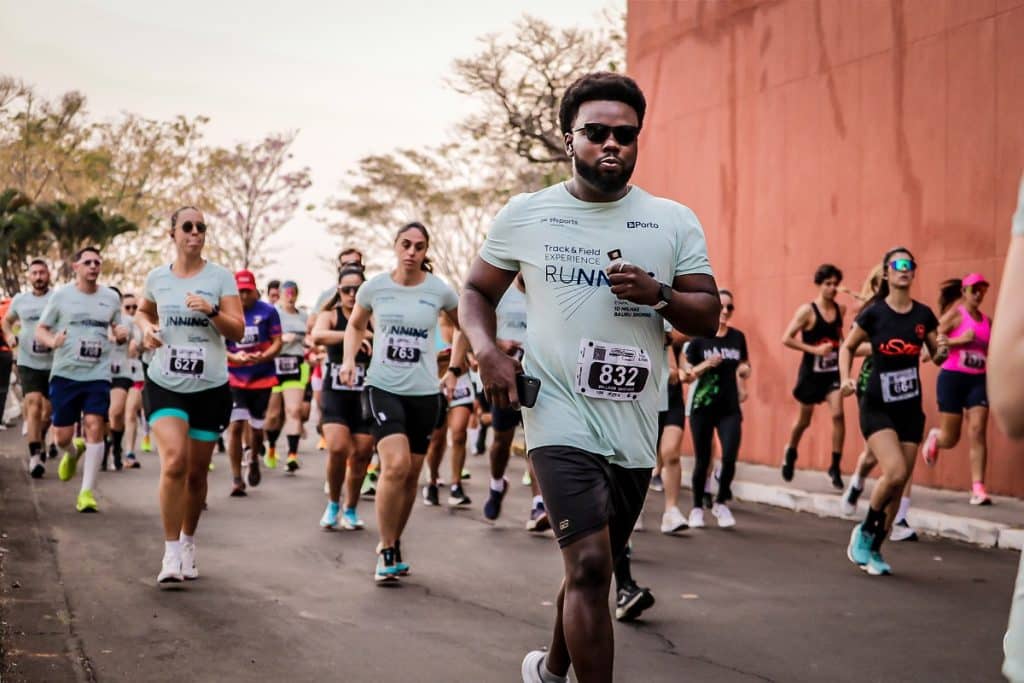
364 295
449 299
51 312
228 286
147 289
499 247
692 249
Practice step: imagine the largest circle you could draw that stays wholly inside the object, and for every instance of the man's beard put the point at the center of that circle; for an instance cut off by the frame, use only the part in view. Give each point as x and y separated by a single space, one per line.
40 286
605 181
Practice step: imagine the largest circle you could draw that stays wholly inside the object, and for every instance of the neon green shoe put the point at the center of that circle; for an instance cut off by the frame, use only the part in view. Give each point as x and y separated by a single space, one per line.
147 445
212 466
270 458
86 502
79 444
68 466
527 480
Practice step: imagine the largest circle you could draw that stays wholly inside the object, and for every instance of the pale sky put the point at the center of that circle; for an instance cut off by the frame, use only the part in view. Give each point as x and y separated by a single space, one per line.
354 77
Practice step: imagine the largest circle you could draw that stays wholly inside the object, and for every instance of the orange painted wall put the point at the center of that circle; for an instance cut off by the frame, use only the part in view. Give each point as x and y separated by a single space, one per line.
810 131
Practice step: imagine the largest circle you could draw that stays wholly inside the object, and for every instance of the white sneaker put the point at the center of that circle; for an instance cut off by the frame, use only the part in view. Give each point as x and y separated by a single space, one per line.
530 670
901 531
170 572
188 561
696 520
672 521
723 515
639 525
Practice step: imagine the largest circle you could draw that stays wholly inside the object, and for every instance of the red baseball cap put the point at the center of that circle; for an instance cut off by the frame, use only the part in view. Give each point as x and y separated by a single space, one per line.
245 280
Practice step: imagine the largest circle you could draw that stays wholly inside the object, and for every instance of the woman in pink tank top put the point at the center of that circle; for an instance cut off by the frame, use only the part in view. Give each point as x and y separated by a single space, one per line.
961 385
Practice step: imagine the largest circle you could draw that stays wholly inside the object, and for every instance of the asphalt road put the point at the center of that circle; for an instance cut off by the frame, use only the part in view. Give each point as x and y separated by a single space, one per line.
279 599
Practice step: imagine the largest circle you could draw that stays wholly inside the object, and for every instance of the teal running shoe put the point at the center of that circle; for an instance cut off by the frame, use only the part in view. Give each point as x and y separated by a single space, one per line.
386 571
401 567
330 518
350 519
876 566
859 549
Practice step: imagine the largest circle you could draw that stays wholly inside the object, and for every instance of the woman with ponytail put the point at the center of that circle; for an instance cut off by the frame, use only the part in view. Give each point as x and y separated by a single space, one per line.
891 417
402 395
961 384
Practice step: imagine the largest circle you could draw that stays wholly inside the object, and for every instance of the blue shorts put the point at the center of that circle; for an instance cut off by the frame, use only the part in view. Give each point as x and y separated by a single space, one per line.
959 390
70 399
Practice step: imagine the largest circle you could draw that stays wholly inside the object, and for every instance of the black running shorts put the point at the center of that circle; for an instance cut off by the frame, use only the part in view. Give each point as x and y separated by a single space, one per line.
34 381
908 423
345 408
583 493
414 416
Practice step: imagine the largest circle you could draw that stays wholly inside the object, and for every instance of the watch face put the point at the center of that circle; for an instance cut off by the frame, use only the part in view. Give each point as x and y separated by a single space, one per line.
666 293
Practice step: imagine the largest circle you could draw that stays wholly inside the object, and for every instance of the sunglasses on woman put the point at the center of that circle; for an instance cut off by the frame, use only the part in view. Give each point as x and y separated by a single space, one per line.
189 226
348 289
729 307
599 132
903 265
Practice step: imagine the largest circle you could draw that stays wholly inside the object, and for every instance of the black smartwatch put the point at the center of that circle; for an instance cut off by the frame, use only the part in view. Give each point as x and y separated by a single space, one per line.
215 312
455 370
664 296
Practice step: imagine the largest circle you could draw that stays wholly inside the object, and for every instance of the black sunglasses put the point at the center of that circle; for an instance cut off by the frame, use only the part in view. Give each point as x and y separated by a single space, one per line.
348 289
729 307
92 262
187 227
599 132
133 307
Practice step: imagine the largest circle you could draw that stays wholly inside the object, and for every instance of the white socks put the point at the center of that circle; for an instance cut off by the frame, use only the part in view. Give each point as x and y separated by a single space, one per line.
93 458
172 548
901 514
856 481
498 485
184 538
537 500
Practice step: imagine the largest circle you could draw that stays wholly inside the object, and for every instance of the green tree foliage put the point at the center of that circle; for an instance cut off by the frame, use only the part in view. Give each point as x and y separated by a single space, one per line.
54 230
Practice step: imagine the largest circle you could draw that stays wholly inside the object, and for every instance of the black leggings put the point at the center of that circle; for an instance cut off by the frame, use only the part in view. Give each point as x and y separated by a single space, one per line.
702 428
6 364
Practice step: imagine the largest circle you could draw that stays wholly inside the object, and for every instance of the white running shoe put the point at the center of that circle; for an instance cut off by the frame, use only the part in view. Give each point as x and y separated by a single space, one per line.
901 531
530 670
672 521
639 525
170 572
188 561
723 515
696 520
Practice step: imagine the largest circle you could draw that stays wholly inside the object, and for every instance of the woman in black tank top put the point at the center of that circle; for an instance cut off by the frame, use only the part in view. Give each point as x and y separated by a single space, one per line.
818 377
346 430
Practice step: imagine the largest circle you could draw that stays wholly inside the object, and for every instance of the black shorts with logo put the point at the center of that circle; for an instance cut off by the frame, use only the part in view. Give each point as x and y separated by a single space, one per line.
583 492
907 422
206 412
414 416
345 408
34 381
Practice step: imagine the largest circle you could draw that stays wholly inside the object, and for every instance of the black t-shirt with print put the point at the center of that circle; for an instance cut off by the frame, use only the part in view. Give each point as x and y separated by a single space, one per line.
896 341
717 388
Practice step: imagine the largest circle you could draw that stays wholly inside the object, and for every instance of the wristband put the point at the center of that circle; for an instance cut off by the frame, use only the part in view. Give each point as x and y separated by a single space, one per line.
214 312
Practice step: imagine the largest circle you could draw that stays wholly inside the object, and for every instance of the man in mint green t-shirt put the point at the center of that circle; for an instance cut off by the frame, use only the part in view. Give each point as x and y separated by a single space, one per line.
80 324
603 263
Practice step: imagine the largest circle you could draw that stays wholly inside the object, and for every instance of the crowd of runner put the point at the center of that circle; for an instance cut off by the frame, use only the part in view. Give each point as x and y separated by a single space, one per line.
600 293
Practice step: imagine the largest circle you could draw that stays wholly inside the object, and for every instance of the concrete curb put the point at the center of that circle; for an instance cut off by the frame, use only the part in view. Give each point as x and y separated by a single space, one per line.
970 530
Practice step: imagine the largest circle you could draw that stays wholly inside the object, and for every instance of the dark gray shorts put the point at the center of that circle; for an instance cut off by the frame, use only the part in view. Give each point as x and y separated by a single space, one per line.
583 492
